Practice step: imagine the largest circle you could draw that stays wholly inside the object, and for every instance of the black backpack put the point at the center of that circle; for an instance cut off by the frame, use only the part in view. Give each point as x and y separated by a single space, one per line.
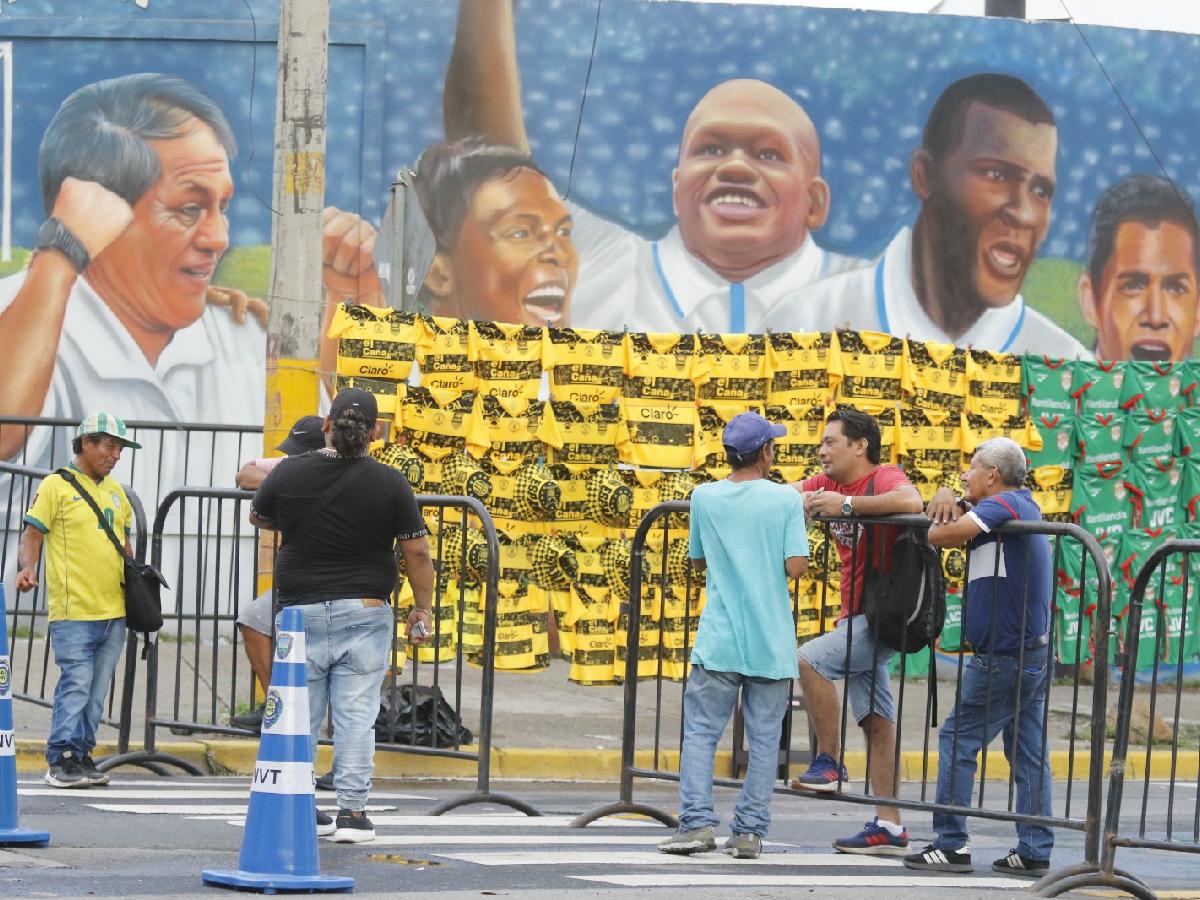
905 603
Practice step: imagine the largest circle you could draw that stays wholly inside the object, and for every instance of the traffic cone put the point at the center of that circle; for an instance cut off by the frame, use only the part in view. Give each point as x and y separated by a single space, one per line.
279 844
11 833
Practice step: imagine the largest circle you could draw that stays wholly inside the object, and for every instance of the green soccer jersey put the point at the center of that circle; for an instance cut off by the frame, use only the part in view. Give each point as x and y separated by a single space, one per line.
1097 386
1057 431
1099 438
1154 491
1046 386
1100 498
1187 507
1136 547
1187 432
1153 385
1076 596
1148 434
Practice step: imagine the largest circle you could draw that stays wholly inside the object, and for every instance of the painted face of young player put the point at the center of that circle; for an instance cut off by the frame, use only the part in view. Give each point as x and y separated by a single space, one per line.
1146 304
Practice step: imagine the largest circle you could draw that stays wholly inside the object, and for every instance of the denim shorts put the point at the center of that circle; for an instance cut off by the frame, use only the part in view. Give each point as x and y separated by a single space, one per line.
865 673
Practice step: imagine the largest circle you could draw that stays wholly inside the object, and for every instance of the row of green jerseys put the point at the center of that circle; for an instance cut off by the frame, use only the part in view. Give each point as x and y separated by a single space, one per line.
594 367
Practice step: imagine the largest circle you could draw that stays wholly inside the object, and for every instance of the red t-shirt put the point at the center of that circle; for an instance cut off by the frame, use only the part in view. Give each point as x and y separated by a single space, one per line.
886 478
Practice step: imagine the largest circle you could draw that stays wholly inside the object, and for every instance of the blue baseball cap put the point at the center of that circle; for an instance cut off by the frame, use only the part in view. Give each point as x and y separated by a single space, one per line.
748 431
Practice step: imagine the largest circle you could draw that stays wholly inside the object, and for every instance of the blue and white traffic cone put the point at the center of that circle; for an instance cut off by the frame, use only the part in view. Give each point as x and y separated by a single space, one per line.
11 833
279 846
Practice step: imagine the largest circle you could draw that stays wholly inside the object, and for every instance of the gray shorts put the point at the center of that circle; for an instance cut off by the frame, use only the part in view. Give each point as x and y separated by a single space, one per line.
866 673
257 614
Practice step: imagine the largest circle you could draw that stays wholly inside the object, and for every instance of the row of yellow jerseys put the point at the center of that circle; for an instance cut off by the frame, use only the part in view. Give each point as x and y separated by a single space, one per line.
588 366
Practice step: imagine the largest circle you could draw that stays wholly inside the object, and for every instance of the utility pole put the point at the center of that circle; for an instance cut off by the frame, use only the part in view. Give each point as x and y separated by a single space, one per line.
296 294
1009 9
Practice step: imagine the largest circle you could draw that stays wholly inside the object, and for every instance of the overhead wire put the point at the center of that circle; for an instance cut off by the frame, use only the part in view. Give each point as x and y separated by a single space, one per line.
583 99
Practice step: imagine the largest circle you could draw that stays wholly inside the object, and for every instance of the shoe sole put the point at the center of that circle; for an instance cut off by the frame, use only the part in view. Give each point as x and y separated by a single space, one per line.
946 868
1021 873
881 850
826 788
687 849
351 836
742 854
98 782
326 830
67 785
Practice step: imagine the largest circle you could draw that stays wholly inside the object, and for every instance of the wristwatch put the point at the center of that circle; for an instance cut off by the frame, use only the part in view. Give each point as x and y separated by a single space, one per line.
54 235
848 506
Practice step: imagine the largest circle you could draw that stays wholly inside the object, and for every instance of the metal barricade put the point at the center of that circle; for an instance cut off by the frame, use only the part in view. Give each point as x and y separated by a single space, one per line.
915 756
1171 632
197 677
28 632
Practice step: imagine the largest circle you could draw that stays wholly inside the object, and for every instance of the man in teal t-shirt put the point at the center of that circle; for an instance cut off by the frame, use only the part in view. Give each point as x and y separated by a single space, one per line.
748 533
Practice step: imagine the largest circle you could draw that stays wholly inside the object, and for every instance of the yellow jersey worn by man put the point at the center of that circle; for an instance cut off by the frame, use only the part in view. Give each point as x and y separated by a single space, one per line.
85 587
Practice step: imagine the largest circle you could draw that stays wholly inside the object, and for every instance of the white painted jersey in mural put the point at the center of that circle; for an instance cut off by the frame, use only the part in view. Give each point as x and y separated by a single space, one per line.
626 281
882 298
213 371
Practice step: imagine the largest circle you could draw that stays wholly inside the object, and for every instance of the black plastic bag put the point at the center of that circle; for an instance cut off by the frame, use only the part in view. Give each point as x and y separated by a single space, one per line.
429 721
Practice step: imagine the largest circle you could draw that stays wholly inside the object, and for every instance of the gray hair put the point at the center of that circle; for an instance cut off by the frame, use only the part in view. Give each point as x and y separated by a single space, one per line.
1008 458
101 133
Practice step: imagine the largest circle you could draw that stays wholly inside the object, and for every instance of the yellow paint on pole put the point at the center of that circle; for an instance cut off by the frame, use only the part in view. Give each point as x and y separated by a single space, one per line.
304 173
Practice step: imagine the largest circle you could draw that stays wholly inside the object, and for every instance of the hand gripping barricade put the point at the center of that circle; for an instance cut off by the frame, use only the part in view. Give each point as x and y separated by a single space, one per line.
279 847
11 833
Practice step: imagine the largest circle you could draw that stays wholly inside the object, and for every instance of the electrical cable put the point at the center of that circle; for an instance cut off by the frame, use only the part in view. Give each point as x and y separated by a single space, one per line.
246 170
583 99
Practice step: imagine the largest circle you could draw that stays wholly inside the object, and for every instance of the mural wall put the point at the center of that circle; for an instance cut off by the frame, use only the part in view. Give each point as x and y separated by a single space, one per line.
729 168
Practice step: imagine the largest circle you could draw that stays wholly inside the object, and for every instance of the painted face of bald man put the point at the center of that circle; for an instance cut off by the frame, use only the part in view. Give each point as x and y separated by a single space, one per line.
748 188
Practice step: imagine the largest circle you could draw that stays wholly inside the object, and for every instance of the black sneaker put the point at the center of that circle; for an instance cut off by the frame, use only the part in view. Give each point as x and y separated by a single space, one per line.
353 828
935 859
325 782
325 824
251 721
66 773
1016 864
87 767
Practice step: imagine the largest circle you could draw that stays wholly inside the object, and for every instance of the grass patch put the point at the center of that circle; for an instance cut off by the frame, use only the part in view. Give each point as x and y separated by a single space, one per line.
247 269
24 632
167 638
1052 288
20 259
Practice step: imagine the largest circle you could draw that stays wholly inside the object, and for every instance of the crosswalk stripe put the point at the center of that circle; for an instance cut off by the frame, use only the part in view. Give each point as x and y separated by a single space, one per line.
189 794
195 809
642 858
467 821
739 879
449 840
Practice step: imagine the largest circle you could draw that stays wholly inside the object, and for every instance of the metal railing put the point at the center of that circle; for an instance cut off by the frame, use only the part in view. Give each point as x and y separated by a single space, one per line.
1170 631
1069 813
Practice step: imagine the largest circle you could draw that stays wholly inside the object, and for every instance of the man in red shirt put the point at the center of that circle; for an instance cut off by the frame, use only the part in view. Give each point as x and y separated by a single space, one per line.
854 483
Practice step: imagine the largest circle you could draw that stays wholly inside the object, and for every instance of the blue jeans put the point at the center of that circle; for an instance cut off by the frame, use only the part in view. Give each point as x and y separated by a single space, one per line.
984 709
707 706
348 646
87 654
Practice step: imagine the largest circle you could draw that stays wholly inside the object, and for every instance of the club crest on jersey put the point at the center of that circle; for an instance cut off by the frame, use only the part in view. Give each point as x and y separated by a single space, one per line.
284 646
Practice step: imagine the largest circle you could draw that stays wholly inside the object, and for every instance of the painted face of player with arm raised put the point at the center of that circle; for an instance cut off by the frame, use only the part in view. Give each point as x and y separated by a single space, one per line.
513 260
986 210
748 188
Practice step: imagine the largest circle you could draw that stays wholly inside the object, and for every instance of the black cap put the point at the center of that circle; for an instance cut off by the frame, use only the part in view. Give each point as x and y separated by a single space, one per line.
358 399
305 435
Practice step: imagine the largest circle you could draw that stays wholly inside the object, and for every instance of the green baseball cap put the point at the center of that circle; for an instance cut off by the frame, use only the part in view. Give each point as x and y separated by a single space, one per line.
106 423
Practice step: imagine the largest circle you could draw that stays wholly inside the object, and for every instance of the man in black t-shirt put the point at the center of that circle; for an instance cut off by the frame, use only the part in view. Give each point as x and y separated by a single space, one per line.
342 517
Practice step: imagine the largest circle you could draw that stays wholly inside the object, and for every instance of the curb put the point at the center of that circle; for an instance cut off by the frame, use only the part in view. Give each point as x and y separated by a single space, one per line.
237 757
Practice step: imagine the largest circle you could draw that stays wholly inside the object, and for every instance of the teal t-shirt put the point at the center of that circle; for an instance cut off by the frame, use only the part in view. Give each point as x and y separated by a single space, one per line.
744 531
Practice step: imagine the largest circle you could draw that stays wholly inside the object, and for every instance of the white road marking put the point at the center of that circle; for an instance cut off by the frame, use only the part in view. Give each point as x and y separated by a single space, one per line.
466 821
194 809
642 858
741 880
172 793
447 840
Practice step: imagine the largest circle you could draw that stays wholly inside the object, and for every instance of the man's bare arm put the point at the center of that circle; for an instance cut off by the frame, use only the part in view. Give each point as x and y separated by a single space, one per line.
249 477
29 551
31 326
902 499
795 566
483 86
418 563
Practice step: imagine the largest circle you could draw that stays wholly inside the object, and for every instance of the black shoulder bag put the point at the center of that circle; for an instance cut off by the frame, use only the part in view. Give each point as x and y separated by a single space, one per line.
143 582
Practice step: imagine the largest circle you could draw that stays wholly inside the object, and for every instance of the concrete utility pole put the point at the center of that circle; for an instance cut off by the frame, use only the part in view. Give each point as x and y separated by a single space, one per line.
1010 9
296 294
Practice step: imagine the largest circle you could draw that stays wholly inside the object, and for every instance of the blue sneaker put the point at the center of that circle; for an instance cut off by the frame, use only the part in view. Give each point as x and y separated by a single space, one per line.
824 774
874 840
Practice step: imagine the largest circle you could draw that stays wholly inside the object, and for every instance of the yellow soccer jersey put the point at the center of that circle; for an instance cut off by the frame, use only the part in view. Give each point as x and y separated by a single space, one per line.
661 435
929 443
444 354
375 342
586 366
1051 488
796 453
993 384
517 431
977 429
732 369
872 368
507 359
660 368
85 576
804 368
935 375
437 423
591 434
389 395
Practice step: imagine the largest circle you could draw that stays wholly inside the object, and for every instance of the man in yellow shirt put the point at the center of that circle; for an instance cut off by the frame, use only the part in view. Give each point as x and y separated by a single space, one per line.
85 592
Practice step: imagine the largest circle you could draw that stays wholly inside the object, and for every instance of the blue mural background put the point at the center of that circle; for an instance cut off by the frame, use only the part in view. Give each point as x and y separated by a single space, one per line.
867 80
